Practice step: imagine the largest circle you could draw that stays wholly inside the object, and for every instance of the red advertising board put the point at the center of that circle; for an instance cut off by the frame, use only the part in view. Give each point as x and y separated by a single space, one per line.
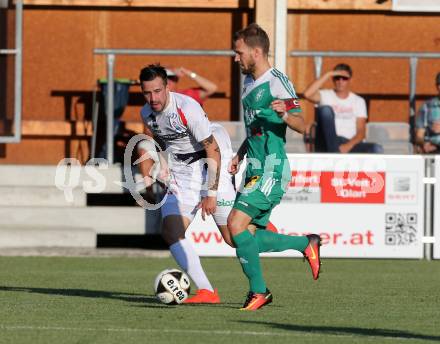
343 186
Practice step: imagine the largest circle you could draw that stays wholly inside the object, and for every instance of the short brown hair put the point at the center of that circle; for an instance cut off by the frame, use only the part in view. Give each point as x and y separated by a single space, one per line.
254 36
153 71
344 67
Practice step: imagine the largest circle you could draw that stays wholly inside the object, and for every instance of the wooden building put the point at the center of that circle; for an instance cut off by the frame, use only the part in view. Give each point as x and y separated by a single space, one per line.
60 70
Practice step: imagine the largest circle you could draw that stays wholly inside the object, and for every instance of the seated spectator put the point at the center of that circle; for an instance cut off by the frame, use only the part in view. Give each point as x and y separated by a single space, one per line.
428 123
205 87
341 115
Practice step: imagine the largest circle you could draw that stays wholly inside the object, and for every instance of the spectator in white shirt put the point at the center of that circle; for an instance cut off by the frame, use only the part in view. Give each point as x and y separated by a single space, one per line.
341 115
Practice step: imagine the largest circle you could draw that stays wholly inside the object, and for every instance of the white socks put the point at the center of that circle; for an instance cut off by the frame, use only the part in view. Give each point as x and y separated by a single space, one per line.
189 261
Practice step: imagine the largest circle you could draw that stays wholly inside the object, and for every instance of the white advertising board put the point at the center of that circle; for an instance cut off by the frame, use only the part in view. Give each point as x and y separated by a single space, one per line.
362 206
436 217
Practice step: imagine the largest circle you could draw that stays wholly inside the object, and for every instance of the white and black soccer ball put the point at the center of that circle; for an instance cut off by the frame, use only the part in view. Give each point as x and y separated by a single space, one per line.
172 286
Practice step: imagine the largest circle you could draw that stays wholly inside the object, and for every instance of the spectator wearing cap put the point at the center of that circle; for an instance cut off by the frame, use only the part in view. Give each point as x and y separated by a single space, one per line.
428 123
204 89
341 115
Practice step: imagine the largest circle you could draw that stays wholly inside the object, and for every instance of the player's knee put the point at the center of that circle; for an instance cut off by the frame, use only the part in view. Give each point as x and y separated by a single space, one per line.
230 223
225 234
169 236
234 225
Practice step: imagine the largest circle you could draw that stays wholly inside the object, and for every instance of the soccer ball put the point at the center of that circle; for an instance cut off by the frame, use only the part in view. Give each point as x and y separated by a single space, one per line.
172 286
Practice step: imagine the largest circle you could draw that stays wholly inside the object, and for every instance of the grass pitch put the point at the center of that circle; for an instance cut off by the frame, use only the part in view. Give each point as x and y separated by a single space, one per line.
110 300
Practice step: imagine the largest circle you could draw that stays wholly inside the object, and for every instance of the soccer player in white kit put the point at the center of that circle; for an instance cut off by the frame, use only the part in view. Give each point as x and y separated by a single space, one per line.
199 155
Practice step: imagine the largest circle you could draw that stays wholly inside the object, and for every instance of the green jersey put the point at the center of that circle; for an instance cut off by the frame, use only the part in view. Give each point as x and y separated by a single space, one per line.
266 131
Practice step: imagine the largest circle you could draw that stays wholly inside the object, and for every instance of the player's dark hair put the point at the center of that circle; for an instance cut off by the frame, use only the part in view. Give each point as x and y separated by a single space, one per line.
345 67
254 36
153 71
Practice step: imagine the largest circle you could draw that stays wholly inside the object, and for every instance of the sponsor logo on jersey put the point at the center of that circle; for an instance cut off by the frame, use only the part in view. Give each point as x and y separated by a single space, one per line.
249 115
243 203
252 181
154 127
153 124
170 137
176 123
259 95
225 203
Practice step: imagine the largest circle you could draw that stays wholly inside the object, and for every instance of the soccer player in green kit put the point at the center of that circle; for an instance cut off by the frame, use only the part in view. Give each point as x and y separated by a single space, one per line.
270 106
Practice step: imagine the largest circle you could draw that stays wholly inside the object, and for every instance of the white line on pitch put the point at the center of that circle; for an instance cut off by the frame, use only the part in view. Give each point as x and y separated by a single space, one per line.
219 332
186 331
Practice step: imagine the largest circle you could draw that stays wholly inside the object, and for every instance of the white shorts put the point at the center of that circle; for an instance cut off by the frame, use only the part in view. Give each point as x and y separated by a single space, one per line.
188 184
225 201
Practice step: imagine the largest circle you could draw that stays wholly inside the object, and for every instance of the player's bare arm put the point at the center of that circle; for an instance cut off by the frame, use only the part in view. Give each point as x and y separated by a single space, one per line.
146 163
293 120
238 158
214 160
213 156
148 157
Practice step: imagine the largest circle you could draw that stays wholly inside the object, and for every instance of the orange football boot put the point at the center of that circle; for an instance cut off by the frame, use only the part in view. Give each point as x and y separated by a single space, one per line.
204 296
255 301
311 253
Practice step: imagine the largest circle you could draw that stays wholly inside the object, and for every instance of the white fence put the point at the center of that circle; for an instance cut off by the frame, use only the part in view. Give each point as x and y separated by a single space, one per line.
436 208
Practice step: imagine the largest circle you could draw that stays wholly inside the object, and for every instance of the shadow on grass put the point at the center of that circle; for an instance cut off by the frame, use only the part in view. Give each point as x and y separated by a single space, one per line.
339 330
140 299
96 294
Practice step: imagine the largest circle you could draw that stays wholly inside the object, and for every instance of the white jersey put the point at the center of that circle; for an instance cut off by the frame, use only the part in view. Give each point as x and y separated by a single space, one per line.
182 125
346 111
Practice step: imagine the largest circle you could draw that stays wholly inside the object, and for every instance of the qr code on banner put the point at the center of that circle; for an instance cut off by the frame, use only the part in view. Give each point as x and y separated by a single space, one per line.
400 229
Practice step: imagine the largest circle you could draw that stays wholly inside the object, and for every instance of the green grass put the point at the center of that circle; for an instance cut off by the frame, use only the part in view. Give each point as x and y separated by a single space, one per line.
110 300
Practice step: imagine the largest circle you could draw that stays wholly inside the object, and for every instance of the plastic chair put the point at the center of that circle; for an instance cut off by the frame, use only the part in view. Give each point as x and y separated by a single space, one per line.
393 136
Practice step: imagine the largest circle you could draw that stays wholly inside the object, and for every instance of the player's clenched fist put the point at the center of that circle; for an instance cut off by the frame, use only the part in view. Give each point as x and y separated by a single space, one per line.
279 107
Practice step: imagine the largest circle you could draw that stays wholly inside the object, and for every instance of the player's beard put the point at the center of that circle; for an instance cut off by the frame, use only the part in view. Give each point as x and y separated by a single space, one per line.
250 69
160 105
157 106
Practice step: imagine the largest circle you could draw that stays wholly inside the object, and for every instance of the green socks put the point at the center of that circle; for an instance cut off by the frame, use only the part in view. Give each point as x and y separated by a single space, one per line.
248 255
249 247
268 241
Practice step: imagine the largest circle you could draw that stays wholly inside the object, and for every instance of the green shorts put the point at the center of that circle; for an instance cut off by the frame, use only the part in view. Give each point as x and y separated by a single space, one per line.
258 198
